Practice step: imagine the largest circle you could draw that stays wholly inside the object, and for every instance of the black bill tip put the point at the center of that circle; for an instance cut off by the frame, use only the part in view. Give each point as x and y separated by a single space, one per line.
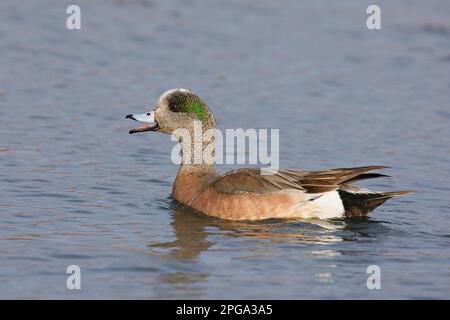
130 116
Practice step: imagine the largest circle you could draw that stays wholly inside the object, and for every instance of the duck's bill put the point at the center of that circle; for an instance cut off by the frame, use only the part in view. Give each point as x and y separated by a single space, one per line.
148 119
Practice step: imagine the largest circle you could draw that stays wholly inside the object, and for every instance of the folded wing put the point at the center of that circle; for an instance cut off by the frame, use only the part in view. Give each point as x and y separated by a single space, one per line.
251 180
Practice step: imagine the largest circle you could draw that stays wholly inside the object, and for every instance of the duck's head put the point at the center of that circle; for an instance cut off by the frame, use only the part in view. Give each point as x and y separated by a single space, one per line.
175 109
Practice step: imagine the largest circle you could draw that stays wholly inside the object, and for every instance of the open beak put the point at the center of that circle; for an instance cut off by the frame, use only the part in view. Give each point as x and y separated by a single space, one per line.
148 119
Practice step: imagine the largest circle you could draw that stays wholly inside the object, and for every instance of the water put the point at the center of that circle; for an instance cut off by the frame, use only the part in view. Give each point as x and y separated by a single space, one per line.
75 188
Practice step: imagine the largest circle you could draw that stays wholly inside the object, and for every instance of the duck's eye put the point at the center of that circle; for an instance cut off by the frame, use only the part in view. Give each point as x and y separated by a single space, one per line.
148 113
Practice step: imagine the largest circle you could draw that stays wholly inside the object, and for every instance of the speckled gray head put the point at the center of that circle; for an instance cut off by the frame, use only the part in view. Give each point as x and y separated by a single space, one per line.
175 109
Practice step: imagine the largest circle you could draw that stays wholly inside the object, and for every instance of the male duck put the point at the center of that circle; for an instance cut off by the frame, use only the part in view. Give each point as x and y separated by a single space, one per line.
245 194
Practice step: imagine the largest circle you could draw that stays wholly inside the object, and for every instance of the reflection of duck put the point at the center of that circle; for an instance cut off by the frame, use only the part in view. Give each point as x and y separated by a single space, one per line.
196 234
192 229
246 194
189 229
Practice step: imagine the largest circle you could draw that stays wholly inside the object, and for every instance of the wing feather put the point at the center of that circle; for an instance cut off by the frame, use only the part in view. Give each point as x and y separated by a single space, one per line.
251 180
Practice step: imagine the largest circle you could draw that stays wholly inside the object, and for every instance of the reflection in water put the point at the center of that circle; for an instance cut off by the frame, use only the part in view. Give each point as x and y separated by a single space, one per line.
192 229
196 233
190 235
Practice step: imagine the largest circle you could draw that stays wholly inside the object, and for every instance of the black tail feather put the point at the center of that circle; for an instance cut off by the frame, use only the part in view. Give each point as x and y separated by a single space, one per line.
361 204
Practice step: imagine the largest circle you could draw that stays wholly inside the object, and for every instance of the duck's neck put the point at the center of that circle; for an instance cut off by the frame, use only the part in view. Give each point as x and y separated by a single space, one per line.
197 169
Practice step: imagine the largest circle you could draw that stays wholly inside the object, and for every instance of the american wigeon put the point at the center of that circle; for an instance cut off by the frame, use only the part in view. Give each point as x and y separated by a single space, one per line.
246 194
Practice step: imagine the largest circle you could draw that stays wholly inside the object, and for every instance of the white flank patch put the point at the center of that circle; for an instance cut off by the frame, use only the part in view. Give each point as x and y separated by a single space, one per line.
329 205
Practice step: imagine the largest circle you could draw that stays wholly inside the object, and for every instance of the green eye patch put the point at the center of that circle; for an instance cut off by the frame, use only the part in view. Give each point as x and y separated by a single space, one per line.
197 108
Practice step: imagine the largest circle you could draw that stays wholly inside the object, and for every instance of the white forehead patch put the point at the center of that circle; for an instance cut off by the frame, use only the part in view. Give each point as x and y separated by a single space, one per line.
168 92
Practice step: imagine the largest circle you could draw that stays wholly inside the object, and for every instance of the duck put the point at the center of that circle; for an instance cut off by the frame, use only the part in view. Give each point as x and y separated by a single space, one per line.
248 193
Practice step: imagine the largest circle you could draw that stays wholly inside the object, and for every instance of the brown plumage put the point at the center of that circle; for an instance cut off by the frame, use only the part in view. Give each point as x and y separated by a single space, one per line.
247 194
251 180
